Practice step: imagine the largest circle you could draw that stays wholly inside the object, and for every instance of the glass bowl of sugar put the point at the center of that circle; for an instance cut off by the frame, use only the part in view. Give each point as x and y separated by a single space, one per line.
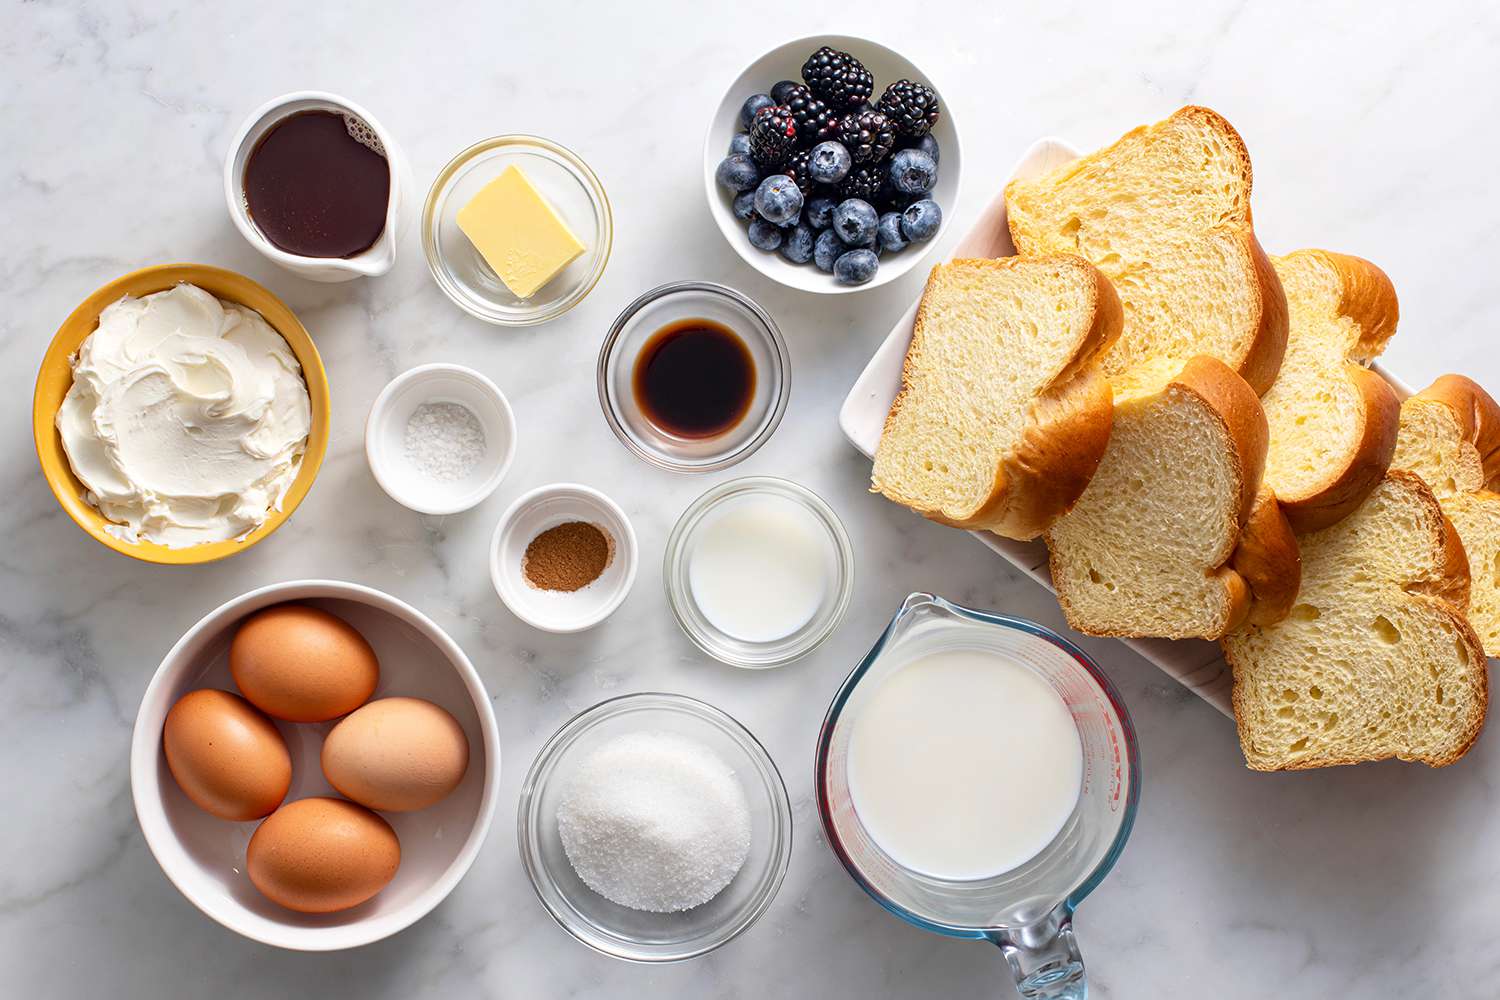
669 806
440 438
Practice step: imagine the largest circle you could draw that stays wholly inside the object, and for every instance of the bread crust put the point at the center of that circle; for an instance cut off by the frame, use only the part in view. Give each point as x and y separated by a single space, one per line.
1380 422
1264 546
1446 594
1368 298
1262 363
1068 427
1269 560
1478 417
1238 406
1066 435
1057 456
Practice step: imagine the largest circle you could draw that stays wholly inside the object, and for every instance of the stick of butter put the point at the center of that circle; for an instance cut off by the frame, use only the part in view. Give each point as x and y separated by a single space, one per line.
518 233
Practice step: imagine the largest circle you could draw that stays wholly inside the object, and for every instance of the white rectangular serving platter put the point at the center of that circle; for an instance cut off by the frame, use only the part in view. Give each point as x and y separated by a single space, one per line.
1194 663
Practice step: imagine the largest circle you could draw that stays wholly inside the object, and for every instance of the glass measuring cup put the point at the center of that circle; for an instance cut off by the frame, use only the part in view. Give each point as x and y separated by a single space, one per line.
1027 911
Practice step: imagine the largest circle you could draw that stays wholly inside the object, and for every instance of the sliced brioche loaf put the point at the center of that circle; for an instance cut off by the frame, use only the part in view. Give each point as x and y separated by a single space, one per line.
1003 412
1450 436
1376 659
1165 214
1157 544
1332 420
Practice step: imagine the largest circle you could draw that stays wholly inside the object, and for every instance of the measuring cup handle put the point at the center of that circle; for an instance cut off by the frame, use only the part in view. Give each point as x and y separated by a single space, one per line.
1044 958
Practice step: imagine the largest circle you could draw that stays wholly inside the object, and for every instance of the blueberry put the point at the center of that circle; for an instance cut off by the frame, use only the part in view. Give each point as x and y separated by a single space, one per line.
820 212
798 245
737 172
913 171
744 205
888 231
921 220
830 162
928 145
752 104
783 90
740 144
855 221
778 200
827 248
764 235
855 267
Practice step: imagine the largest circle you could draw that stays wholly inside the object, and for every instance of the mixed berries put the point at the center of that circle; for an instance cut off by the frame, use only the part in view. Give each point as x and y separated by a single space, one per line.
825 172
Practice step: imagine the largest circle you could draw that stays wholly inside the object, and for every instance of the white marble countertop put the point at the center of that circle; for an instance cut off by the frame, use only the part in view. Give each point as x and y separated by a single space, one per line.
1373 881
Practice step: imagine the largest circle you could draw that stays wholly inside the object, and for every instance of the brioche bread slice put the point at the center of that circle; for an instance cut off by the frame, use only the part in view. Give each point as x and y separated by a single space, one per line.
1158 544
1376 659
1003 412
1165 214
1332 420
1450 436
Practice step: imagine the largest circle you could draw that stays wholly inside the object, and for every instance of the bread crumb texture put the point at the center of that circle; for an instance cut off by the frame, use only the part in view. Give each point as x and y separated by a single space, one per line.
1376 659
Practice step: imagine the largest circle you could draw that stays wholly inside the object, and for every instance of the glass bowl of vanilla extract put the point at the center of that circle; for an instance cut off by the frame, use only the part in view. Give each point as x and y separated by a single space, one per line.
693 376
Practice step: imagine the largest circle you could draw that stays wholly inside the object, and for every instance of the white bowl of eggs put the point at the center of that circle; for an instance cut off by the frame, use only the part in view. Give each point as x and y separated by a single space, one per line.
315 765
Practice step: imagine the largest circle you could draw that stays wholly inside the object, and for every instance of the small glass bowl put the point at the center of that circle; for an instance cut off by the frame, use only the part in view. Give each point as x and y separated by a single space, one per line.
635 935
660 307
727 648
564 180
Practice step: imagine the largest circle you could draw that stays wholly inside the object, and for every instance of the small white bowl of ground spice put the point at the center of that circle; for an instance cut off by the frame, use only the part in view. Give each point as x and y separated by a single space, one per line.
440 438
563 557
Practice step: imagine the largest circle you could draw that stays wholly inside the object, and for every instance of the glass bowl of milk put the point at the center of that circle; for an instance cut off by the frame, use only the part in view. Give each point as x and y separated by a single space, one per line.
978 776
759 571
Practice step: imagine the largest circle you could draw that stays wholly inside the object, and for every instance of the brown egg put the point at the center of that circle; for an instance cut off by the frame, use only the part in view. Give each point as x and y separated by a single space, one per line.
301 664
396 754
227 757
322 855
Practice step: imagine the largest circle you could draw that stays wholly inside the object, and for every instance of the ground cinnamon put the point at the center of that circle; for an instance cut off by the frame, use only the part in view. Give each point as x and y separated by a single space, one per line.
567 557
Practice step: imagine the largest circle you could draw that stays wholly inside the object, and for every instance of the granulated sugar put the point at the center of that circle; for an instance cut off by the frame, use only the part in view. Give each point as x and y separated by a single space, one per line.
655 821
444 441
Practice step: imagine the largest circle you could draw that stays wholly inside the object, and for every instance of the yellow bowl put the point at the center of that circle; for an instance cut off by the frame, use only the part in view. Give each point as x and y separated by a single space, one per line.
56 377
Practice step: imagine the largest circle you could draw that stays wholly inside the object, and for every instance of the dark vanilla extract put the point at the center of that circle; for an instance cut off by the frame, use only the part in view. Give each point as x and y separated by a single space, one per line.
694 379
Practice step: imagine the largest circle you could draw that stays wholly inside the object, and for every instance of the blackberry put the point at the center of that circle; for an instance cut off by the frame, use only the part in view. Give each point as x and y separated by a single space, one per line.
796 166
863 182
783 90
838 78
911 107
773 135
867 135
815 120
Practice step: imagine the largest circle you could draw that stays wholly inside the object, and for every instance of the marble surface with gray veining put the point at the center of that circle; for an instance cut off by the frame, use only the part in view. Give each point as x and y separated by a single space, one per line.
1373 131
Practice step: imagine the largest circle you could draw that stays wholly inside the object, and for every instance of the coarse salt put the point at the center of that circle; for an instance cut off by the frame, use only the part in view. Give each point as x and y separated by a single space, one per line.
444 441
655 821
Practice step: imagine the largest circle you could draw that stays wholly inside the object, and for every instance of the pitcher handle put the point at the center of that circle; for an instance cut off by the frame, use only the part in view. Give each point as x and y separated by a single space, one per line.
1044 958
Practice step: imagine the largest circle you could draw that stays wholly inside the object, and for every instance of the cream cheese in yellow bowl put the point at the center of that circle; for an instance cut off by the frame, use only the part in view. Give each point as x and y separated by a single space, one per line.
181 414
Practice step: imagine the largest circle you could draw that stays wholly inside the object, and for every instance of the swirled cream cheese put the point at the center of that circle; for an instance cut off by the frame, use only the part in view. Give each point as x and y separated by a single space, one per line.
187 418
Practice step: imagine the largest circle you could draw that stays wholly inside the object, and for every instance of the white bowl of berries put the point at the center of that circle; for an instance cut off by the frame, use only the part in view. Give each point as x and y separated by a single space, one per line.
831 164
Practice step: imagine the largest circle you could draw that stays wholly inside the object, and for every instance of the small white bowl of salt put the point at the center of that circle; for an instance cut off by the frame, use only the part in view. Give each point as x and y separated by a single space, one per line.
440 438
